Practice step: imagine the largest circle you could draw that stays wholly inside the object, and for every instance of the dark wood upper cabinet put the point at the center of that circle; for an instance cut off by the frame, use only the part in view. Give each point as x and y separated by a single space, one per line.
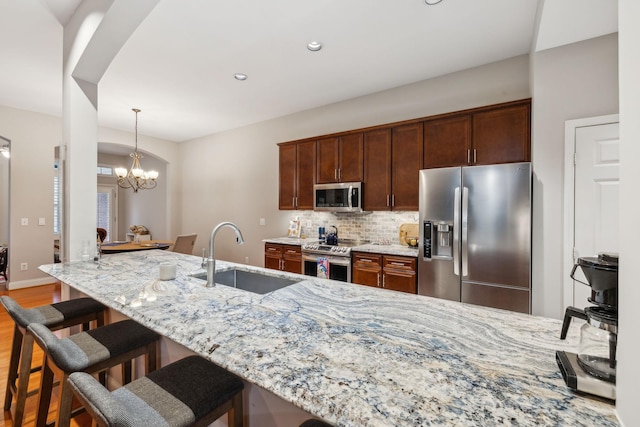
297 174
306 172
377 170
287 177
340 159
502 135
387 158
392 159
406 162
447 142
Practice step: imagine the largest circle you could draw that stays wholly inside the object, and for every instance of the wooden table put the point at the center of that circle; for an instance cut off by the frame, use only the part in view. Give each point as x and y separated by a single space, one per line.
117 247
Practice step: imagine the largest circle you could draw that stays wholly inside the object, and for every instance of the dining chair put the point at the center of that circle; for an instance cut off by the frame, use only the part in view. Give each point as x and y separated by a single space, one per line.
3 262
184 243
102 233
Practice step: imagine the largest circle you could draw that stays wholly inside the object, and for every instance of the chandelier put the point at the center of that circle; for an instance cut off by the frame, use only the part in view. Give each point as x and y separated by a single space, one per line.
136 177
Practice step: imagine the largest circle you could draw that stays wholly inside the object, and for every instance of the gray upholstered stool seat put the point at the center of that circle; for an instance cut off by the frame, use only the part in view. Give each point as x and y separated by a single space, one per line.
53 316
191 391
314 423
90 351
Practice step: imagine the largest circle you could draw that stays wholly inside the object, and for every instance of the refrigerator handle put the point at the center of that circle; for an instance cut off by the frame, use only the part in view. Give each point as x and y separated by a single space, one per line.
456 232
350 197
465 227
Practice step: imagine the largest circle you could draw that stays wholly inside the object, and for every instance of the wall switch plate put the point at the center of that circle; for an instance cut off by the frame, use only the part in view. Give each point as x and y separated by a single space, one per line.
263 221
24 221
24 266
41 221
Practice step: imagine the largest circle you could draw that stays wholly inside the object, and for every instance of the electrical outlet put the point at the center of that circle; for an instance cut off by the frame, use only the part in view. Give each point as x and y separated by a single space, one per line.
24 221
246 260
262 221
24 266
41 221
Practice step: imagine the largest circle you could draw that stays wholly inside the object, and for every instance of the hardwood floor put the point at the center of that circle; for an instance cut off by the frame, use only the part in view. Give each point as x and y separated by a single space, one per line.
29 297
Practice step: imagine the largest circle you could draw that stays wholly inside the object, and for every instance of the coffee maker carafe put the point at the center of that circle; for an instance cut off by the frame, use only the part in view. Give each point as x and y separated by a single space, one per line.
593 369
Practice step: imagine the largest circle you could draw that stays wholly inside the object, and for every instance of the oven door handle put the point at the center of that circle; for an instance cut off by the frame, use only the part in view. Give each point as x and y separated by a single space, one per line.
337 260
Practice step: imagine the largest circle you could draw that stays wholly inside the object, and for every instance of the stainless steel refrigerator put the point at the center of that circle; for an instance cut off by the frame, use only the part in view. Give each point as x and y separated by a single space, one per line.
475 235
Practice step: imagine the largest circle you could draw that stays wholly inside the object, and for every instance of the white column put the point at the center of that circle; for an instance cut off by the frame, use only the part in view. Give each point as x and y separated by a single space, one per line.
628 370
92 38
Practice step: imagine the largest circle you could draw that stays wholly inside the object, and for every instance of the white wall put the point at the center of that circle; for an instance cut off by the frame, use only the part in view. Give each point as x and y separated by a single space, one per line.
162 210
33 139
146 207
569 82
234 175
629 338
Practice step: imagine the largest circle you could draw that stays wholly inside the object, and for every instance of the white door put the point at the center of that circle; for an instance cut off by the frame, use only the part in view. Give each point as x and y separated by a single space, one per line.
107 208
597 164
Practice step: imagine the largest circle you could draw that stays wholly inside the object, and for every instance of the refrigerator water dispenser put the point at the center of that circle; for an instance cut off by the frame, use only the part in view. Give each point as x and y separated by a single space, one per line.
438 239
445 239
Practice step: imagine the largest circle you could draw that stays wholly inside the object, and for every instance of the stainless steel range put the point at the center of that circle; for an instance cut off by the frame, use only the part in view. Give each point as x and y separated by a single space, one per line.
320 259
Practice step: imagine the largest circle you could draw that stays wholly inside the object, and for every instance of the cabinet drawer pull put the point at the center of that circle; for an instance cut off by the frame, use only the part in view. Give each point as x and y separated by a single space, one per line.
398 263
365 260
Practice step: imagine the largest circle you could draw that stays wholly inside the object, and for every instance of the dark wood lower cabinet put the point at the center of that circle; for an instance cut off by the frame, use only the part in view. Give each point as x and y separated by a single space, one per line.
397 273
283 257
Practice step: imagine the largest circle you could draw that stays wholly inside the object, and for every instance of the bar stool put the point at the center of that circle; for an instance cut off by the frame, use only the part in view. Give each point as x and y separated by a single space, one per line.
191 391
53 316
314 423
91 351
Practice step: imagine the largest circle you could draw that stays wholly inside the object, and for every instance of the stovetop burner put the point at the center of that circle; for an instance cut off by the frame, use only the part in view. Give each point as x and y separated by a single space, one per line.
343 248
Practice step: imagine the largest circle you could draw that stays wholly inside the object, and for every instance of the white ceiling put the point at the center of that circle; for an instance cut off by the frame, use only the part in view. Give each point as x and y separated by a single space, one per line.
178 66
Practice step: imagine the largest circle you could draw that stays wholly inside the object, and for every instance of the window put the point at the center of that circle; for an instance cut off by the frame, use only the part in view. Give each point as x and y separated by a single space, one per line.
57 191
106 211
105 170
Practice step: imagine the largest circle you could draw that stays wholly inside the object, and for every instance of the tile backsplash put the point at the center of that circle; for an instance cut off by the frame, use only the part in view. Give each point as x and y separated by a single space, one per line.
372 226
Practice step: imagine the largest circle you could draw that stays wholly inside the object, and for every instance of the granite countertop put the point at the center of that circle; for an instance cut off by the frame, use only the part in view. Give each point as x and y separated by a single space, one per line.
387 249
354 355
391 249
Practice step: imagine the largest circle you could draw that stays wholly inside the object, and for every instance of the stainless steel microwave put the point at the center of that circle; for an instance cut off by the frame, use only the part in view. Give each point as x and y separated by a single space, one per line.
338 197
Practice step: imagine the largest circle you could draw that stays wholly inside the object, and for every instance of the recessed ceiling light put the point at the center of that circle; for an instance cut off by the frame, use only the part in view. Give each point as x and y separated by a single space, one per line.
240 76
432 2
314 46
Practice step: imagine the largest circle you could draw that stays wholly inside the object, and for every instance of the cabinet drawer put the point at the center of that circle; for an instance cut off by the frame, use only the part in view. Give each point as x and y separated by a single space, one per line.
400 263
272 249
291 252
367 260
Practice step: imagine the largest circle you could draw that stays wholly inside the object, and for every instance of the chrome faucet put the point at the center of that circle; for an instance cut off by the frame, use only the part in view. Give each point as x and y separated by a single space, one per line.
211 261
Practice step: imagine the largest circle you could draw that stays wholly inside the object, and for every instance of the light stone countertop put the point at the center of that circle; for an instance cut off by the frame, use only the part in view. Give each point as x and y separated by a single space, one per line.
354 355
391 249
289 241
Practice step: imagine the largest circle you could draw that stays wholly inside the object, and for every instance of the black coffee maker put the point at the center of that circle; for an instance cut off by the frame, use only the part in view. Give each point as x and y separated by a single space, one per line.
593 369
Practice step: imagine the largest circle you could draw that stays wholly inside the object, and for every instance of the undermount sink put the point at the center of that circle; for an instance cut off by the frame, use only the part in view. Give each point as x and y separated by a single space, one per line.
250 281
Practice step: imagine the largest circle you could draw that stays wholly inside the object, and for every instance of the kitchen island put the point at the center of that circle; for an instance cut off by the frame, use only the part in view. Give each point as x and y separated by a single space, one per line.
353 355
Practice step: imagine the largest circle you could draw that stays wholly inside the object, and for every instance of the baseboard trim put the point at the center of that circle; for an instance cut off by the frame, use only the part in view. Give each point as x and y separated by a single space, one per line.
30 283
